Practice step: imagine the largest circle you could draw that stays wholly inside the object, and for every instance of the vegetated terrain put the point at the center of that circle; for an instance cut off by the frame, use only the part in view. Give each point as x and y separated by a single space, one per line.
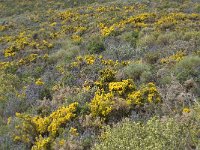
99 74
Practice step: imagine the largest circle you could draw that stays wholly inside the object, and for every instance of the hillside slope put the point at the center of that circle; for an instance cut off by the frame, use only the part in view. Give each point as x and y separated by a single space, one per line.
99 74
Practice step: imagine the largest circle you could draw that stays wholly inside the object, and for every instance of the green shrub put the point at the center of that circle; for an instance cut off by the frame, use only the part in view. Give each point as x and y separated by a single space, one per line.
118 50
96 46
152 57
138 71
166 38
147 40
188 68
131 37
155 134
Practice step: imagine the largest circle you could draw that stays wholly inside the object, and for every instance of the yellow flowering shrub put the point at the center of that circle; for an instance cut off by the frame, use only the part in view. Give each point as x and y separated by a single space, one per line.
61 116
42 143
147 94
173 58
122 87
32 128
101 104
172 19
87 59
107 75
90 59
137 21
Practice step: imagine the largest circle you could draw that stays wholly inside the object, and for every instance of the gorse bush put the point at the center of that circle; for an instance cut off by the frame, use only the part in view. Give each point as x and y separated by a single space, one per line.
70 68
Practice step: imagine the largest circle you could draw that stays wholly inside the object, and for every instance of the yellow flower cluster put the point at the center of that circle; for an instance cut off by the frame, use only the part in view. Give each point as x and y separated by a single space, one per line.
37 126
87 59
107 75
28 59
2 28
186 110
147 94
101 104
106 31
39 82
91 59
173 58
19 44
66 15
22 61
172 19
61 116
4 65
76 38
42 143
23 40
115 93
110 62
137 21
122 87
73 131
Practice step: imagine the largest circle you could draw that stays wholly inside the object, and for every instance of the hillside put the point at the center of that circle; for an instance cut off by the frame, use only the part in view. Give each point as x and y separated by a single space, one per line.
99 74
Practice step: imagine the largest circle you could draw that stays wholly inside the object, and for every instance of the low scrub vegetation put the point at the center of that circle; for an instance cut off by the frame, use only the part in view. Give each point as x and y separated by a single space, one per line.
99 74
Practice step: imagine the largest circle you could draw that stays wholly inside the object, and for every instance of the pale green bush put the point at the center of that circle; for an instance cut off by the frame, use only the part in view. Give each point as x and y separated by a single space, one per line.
155 134
188 68
138 71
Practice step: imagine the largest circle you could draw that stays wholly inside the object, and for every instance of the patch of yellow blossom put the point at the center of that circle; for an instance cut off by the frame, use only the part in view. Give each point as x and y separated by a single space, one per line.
42 143
122 87
80 29
9 120
46 44
31 127
147 94
61 116
87 59
61 142
90 59
106 75
173 58
110 62
76 38
167 21
2 28
5 65
9 52
186 110
137 21
21 41
101 104
73 131
39 82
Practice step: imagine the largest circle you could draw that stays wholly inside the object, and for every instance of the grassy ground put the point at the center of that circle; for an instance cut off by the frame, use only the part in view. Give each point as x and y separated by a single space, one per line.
73 72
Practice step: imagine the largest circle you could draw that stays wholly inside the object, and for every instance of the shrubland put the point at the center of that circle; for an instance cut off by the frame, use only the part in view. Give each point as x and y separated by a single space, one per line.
99 74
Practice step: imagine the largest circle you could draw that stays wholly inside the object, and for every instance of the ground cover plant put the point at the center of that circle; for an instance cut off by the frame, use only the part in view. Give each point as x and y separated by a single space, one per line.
99 74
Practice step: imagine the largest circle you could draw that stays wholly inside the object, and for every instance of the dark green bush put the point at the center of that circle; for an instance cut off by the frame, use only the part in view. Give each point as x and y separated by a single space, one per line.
96 46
